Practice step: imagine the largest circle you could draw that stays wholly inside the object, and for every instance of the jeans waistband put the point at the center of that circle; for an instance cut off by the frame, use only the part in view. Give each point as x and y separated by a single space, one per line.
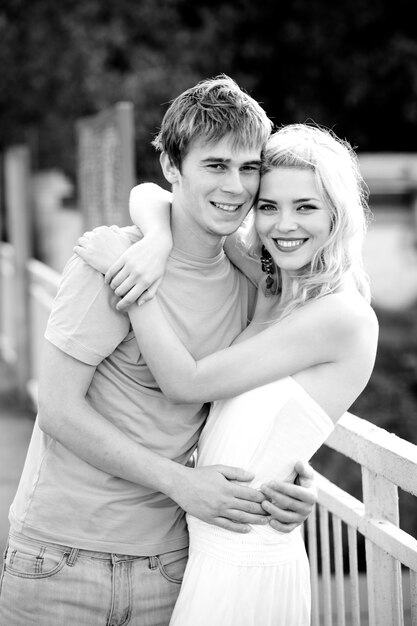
19 540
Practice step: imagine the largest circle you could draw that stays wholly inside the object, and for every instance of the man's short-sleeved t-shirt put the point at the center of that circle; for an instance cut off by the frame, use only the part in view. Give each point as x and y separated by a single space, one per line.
63 499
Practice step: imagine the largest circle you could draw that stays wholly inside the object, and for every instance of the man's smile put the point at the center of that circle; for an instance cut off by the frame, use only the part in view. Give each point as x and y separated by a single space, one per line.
230 208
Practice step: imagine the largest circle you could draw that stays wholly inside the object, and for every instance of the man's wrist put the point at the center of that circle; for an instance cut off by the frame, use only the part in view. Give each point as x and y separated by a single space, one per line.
173 476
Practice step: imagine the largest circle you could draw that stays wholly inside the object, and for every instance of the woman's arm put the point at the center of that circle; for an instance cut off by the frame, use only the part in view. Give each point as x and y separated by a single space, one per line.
317 334
137 274
133 271
238 254
150 209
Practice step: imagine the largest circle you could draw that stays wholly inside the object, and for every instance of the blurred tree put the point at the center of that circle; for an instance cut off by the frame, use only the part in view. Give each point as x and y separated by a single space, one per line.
351 66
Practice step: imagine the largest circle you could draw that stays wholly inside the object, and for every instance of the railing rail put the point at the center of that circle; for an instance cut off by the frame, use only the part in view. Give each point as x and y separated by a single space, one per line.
42 284
387 464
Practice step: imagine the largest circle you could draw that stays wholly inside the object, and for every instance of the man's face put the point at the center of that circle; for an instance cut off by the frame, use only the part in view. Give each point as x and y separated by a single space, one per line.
217 185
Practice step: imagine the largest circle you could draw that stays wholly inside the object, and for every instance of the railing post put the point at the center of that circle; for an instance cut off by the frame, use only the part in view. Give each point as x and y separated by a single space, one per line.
18 219
385 603
106 165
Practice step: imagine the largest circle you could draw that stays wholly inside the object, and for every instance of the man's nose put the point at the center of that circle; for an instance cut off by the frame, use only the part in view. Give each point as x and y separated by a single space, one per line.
232 182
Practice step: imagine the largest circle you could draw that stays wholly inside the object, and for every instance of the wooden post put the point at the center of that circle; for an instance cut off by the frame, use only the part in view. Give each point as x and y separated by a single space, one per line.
385 602
18 219
106 171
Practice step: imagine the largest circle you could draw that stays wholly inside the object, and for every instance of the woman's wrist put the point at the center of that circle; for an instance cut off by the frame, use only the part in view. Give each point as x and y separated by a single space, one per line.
162 241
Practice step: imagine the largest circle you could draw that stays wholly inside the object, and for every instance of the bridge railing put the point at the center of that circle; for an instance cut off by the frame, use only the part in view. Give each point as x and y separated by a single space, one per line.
388 463
42 284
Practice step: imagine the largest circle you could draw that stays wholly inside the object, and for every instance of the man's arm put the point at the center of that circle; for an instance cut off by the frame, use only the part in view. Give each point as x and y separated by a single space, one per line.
66 415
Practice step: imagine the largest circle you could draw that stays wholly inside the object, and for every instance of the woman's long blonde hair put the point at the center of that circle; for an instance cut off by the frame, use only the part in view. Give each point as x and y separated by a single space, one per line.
336 169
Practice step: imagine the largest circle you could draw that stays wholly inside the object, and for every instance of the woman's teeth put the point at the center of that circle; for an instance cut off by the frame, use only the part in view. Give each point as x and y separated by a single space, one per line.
285 243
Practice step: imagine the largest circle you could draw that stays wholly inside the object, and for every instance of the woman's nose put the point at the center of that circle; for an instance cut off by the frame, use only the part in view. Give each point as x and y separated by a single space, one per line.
286 221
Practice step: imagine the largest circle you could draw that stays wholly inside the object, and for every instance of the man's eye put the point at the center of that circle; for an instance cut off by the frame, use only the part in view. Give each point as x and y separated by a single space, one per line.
216 166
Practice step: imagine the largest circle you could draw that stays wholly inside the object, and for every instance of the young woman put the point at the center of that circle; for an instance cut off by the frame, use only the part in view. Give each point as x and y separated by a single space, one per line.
305 356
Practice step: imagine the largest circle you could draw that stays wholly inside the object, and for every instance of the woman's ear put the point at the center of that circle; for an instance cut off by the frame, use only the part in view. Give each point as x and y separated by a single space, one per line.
170 171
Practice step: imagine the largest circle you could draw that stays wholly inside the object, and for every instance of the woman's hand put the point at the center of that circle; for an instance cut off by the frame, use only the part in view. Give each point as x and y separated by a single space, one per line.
102 246
289 504
137 274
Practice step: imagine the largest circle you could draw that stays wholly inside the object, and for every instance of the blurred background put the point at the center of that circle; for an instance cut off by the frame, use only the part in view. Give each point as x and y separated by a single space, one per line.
350 66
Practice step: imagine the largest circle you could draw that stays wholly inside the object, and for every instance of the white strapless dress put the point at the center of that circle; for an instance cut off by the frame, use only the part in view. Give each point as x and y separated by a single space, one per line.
260 578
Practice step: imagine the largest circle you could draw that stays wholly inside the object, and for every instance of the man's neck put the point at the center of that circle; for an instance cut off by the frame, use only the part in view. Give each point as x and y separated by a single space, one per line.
188 238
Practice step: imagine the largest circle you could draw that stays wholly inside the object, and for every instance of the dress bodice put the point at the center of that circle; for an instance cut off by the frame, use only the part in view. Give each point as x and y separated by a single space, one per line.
265 430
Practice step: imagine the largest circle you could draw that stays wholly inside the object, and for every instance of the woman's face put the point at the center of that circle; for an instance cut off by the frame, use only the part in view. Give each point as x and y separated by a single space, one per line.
292 220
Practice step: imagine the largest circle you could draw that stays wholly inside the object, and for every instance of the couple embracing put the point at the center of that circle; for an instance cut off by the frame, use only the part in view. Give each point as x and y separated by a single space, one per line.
256 343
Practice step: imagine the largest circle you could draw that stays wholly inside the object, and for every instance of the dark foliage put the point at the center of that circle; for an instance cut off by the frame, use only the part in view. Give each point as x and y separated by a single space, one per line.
349 65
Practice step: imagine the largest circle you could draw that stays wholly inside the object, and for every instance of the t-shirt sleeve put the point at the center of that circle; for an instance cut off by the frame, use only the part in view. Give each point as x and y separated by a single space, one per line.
84 322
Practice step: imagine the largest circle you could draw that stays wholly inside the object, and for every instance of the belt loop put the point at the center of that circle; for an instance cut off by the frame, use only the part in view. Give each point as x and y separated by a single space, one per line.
153 562
12 555
39 560
5 551
72 557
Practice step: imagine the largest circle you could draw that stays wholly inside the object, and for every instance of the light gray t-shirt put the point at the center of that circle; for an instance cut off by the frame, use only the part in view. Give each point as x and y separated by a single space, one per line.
61 498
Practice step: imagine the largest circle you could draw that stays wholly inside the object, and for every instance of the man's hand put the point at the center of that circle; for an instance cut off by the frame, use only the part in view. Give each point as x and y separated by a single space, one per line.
289 504
211 494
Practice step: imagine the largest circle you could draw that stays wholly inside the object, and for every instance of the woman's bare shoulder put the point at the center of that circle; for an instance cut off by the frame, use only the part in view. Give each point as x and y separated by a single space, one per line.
341 316
349 309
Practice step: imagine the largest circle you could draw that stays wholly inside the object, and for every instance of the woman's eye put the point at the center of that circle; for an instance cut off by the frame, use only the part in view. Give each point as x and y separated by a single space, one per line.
266 207
304 208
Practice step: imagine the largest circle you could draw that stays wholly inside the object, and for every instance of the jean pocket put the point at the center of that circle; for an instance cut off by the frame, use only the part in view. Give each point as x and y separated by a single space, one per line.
39 563
172 565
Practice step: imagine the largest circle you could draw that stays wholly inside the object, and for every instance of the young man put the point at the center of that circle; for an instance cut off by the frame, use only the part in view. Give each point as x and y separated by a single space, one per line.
98 534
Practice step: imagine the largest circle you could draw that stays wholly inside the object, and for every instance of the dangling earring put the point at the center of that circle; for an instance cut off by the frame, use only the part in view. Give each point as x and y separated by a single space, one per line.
268 266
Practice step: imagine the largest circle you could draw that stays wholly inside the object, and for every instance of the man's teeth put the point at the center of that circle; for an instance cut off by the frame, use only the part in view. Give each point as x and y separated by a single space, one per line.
284 243
226 207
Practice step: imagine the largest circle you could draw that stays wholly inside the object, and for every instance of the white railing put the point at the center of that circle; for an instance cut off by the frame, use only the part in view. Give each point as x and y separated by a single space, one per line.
8 328
387 463
42 285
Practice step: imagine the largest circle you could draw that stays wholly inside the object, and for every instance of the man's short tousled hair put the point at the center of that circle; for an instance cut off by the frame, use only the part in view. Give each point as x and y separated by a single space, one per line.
212 109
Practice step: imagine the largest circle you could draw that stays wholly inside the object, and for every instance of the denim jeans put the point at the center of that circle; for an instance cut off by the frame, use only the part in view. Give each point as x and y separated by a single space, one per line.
52 585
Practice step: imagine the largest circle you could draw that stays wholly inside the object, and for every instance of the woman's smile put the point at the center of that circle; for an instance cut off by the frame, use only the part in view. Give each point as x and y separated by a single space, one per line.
289 245
292 220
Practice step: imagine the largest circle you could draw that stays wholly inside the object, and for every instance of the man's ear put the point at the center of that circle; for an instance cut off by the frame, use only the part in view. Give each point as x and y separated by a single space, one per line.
170 171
